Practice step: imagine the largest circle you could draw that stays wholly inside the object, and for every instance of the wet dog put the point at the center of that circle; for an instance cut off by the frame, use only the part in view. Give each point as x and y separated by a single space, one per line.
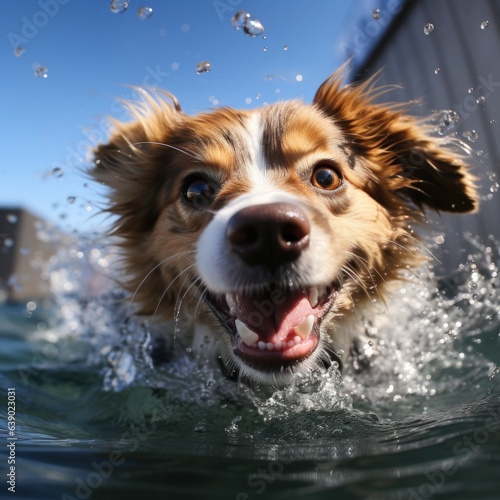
269 229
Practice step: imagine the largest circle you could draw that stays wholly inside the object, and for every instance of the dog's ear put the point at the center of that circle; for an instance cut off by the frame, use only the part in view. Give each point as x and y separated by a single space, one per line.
404 153
128 164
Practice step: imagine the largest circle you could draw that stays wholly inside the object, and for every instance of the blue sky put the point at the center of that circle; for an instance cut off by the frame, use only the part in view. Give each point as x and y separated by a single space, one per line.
92 55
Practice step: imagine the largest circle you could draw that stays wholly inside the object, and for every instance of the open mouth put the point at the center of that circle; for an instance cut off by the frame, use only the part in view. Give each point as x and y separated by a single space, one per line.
276 328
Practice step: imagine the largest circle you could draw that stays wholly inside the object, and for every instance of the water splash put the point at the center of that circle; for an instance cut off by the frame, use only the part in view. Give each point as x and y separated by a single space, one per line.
447 122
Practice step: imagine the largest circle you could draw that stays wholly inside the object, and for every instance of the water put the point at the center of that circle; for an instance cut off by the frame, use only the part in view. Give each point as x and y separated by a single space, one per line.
41 71
203 67
144 12
95 418
118 6
428 28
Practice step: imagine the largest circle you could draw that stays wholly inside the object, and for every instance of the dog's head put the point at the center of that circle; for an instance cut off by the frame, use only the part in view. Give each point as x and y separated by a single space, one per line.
272 224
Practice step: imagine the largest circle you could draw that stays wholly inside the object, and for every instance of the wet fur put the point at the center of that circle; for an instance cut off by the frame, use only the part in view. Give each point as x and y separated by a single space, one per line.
395 167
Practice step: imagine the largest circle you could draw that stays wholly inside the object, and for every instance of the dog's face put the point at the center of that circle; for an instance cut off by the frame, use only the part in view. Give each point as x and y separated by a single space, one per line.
273 225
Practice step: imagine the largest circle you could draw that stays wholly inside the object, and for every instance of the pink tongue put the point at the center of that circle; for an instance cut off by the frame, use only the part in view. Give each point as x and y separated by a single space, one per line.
274 321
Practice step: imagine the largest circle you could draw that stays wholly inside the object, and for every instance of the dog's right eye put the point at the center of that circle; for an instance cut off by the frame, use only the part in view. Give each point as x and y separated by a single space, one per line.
199 192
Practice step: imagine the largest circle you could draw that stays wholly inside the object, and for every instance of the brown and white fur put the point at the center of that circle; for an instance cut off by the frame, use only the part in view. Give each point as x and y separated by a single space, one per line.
271 228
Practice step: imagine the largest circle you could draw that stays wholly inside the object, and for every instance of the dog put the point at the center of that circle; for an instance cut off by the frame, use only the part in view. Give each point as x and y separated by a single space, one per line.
271 228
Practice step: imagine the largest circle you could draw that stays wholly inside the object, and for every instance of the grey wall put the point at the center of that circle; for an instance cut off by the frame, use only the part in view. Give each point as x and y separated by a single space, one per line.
467 57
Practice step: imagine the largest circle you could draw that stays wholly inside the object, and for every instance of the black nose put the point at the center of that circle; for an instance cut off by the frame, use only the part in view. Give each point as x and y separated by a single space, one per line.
269 235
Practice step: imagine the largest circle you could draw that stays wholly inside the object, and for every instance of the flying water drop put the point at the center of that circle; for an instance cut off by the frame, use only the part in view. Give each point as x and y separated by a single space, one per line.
118 6
253 27
203 67
19 51
239 19
376 14
470 135
485 24
447 122
41 72
428 28
57 172
144 12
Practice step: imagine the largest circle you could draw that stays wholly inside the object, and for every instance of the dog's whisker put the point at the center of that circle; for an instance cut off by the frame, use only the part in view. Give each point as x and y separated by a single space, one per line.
183 151
164 261
168 288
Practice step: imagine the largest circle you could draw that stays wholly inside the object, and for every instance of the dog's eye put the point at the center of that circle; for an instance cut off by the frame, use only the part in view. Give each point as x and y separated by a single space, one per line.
326 177
199 192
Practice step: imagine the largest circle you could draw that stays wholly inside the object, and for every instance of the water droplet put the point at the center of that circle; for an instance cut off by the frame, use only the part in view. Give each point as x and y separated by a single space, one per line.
8 242
428 28
485 24
57 172
41 72
19 51
437 71
118 6
470 90
203 67
470 135
492 121
11 218
439 239
481 99
144 12
376 13
265 48
239 19
447 122
253 27
494 187
71 199
285 48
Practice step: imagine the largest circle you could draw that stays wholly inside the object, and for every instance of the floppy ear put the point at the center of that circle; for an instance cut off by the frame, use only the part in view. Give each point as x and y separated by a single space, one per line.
403 152
128 164
132 165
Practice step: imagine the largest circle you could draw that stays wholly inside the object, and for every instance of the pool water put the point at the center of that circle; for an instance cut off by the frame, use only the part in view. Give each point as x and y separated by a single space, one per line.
94 418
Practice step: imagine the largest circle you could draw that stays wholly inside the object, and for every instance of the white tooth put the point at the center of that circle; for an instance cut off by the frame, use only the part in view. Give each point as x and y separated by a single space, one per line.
278 346
230 300
261 345
313 296
248 336
270 346
304 329
291 343
232 312
297 339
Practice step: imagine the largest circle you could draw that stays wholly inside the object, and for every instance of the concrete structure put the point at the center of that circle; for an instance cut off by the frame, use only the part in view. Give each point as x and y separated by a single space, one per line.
24 253
444 53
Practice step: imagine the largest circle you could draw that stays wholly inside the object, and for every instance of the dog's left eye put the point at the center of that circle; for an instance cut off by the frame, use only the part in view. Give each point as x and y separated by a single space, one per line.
199 192
326 177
